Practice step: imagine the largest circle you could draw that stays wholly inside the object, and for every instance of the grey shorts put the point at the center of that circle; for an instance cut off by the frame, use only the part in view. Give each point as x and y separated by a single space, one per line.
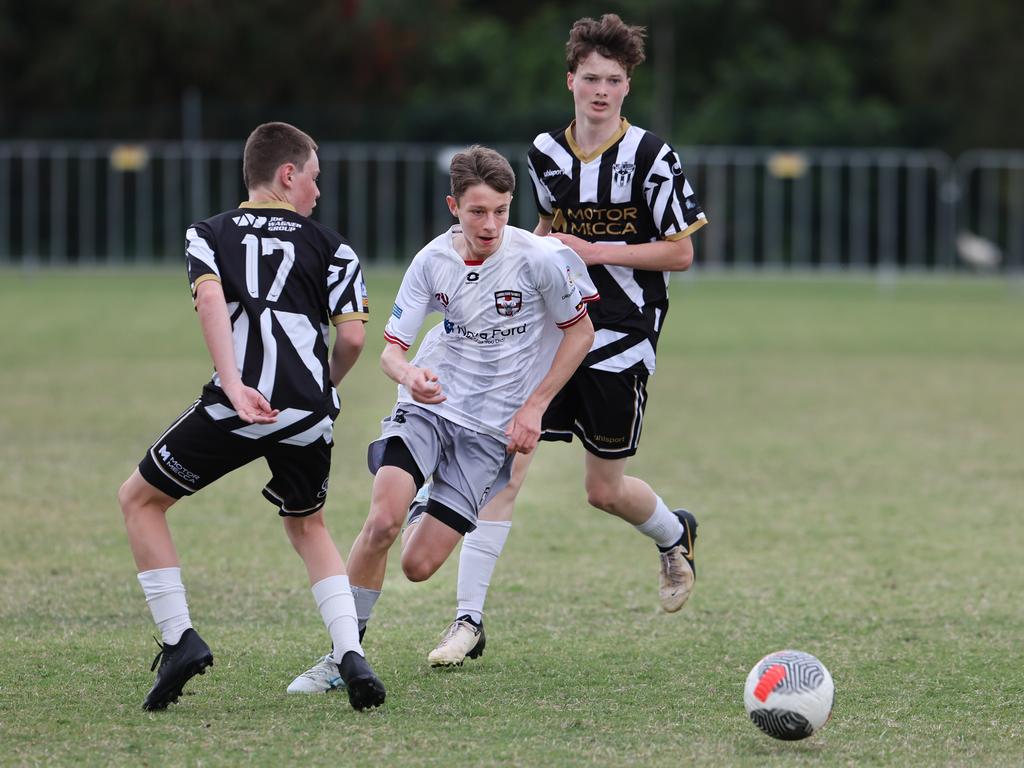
467 467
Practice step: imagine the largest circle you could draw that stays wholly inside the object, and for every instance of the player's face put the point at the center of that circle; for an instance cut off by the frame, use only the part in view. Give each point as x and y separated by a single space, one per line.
483 214
304 191
598 87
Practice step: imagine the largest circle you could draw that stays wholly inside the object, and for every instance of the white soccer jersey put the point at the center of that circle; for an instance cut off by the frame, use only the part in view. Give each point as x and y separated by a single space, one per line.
500 316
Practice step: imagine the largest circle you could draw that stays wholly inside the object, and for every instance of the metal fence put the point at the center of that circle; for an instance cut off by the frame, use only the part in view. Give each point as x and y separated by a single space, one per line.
64 203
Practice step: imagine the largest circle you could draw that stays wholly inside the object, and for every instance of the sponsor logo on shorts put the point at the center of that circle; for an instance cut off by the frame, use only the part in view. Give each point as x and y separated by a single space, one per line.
174 466
607 439
322 493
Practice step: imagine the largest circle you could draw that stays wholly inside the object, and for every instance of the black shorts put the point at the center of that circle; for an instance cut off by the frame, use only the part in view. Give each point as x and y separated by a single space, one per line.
604 410
194 452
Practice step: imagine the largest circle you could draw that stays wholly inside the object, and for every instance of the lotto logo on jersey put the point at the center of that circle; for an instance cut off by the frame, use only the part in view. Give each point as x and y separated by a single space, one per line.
508 303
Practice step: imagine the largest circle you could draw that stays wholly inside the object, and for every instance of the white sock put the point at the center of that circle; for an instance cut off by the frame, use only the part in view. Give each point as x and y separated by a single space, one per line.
338 609
480 551
165 595
662 526
365 599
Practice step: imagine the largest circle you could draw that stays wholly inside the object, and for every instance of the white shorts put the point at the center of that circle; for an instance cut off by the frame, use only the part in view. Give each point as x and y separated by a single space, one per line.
467 466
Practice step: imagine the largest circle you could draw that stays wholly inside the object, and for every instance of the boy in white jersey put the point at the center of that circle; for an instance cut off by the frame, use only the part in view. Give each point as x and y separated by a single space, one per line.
475 396
616 194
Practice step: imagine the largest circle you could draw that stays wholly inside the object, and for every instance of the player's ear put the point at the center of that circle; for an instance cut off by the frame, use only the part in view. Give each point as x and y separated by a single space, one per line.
285 172
453 205
569 78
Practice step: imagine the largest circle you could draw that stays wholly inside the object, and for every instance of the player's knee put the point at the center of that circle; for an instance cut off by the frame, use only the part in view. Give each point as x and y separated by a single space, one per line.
131 496
602 496
382 530
303 527
416 568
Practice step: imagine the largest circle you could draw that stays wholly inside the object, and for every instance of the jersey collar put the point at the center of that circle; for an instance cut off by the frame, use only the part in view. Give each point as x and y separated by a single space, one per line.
268 204
623 127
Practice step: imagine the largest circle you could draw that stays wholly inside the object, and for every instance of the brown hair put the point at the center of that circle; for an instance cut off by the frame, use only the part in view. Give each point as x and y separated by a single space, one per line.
270 146
481 165
611 37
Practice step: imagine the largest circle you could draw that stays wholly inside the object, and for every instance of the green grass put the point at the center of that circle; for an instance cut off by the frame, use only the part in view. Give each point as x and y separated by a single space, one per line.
853 449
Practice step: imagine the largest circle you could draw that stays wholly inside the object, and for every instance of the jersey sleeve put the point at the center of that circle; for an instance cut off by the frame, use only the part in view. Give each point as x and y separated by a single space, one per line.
200 256
346 290
541 194
670 197
555 281
412 305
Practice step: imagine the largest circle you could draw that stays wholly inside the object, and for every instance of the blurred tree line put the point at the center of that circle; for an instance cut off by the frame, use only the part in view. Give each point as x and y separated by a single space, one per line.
921 73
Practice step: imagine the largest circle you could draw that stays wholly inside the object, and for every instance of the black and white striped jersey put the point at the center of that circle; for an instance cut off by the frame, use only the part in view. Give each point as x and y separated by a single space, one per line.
630 191
286 278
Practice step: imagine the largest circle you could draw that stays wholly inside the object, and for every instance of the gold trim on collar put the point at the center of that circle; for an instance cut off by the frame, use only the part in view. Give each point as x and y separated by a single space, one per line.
623 127
268 204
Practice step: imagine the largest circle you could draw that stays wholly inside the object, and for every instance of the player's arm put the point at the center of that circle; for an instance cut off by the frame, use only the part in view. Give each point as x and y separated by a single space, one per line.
349 338
543 227
250 405
421 382
524 430
662 255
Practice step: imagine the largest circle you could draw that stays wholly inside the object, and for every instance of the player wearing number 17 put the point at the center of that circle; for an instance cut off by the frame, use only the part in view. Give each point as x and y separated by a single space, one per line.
268 283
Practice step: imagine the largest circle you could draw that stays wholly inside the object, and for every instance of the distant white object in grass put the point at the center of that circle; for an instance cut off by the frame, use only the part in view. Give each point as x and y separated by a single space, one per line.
789 695
978 251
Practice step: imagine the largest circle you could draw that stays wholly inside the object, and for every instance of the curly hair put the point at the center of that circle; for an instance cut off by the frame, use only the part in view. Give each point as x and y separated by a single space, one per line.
611 37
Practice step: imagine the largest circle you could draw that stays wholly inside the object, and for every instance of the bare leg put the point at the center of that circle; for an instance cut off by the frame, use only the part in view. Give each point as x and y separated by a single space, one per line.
145 519
426 549
393 491
609 488
315 546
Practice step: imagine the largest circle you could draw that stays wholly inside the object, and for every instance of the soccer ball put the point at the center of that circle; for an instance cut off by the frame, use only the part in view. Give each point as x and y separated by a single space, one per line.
789 695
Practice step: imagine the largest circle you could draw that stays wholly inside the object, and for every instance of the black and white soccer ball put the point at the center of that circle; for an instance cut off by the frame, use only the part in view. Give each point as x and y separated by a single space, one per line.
789 695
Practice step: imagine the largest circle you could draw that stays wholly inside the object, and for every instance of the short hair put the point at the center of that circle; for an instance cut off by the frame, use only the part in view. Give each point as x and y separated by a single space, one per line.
270 146
611 37
481 165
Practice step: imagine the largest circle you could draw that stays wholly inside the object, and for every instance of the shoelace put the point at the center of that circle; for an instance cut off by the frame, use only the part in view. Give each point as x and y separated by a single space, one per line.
159 653
320 669
673 566
453 630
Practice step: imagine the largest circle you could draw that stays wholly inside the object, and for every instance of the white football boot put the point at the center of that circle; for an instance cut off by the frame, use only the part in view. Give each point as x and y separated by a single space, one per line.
678 570
463 638
322 677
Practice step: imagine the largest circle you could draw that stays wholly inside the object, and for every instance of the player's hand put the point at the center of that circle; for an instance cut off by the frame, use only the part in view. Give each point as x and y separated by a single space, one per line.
252 407
587 251
523 431
423 385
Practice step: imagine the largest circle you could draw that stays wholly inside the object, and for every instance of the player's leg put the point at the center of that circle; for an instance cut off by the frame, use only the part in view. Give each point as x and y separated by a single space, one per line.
608 422
673 531
299 484
429 544
478 558
176 465
481 546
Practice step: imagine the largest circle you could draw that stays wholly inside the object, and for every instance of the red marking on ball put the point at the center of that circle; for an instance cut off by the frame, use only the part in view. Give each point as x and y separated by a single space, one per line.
771 677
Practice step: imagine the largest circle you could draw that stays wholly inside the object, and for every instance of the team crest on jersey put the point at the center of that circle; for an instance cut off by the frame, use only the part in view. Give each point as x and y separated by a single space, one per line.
508 303
622 173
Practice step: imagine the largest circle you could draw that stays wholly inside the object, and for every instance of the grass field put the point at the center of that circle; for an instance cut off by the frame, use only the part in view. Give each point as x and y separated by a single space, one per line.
854 451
